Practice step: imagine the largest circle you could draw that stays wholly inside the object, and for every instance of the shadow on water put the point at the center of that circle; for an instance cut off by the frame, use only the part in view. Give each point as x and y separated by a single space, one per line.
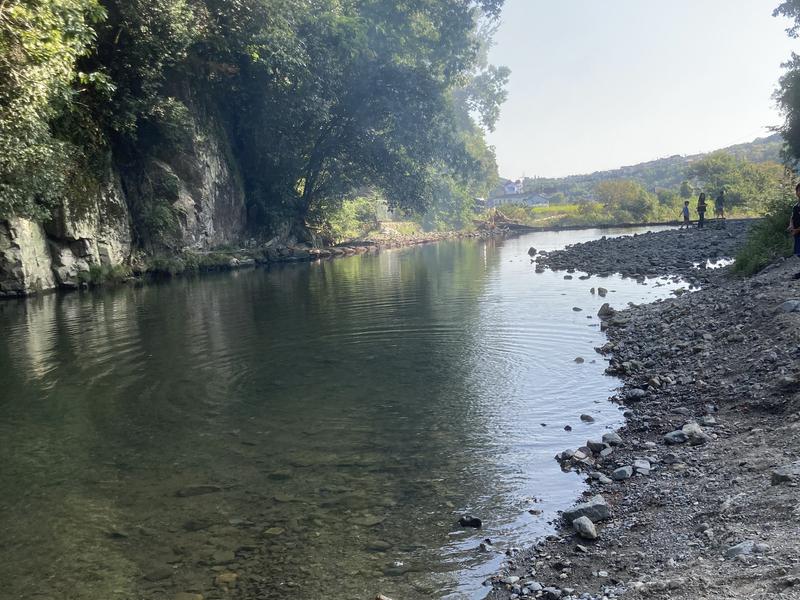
316 428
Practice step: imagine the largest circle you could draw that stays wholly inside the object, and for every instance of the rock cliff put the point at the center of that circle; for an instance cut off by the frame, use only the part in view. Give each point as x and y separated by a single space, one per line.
199 186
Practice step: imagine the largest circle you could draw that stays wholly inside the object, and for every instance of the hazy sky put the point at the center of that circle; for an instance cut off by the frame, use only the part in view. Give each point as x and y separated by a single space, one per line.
598 84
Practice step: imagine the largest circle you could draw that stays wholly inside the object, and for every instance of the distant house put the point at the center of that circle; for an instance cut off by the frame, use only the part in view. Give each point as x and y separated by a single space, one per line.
513 187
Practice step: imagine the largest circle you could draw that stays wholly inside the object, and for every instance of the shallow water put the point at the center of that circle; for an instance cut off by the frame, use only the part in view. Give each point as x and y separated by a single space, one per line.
342 415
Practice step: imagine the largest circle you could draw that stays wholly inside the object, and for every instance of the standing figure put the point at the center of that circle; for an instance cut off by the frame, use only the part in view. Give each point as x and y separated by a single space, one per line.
701 210
719 206
687 221
794 225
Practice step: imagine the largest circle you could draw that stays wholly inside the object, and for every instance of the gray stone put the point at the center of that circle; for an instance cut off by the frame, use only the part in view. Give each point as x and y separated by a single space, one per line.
792 305
635 395
642 466
606 311
740 549
585 528
595 446
622 473
612 439
587 418
695 434
596 508
786 474
675 437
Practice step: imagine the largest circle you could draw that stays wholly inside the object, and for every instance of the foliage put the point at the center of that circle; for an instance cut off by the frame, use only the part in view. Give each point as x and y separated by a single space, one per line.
320 98
40 42
354 218
105 274
768 239
748 185
627 199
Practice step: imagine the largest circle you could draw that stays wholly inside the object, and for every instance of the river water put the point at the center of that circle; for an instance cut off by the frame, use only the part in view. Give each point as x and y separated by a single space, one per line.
315 428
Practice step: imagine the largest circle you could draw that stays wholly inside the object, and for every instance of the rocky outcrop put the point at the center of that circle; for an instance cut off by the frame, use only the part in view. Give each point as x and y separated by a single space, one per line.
190 200
95 235
25 264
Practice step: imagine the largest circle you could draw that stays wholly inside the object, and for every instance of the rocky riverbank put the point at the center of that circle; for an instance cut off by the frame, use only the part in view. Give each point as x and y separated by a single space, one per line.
673 252
697 496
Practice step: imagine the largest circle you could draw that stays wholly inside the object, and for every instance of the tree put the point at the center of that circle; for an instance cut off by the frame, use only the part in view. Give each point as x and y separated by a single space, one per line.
747 185
40 42
686 190
628 200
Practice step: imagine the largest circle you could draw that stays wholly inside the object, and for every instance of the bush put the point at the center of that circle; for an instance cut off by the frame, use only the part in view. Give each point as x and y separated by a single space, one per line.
767 241
105 274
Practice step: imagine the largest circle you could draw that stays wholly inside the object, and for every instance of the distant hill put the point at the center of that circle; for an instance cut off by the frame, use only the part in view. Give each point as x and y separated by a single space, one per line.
664 173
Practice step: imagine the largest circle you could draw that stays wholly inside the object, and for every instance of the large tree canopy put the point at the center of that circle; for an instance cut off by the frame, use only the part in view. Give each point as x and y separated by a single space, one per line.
319 97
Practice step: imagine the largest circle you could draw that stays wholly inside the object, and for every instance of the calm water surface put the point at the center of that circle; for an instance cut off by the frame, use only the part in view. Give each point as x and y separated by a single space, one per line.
341 414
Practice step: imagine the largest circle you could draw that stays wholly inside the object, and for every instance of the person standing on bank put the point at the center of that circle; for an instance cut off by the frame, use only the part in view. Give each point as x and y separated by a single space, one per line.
719 206
687 220
701 210
794 226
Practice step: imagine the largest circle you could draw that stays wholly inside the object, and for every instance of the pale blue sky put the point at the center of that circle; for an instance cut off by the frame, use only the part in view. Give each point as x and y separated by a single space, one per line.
597 84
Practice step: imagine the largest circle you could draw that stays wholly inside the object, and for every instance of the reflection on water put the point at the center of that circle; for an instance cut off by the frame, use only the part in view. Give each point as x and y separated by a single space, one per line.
316 429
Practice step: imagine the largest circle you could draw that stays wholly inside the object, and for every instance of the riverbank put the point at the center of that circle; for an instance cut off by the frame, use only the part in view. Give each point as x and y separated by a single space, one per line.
142 267
697 496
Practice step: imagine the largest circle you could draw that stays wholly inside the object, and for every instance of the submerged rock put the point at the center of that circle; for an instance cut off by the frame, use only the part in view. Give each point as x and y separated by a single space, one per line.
470 521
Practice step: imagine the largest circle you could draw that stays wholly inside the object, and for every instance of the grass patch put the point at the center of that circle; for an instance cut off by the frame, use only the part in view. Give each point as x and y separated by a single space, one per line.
768 240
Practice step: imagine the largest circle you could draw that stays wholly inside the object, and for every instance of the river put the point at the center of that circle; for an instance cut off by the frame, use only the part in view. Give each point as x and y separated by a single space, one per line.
316 429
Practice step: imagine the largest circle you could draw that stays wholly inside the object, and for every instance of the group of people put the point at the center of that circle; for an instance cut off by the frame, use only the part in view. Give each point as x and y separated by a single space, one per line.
719 210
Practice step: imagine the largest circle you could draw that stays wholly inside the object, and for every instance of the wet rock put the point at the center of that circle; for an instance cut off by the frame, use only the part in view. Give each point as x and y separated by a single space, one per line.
159 574
606 312
187 596
786 474
368 520
601 291
635 395
595 446
612 439
580 360
585 528
587 418
470 521
223 557
531 251
226 579
378 546
197 490
273 531
596 508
